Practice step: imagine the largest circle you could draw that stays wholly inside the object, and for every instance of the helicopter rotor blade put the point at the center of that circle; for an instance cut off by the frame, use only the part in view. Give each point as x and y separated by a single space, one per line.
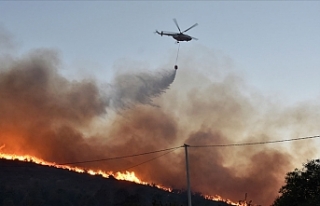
196 24
194 38
175 21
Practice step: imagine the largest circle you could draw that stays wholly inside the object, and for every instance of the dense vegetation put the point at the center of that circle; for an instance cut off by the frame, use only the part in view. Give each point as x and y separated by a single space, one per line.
302 187
25 183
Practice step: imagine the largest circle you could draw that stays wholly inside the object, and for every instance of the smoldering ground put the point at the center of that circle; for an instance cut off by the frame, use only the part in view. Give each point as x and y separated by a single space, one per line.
48 116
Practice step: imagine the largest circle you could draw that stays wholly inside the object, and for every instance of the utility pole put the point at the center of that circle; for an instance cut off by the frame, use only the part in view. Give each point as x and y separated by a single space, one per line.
188 177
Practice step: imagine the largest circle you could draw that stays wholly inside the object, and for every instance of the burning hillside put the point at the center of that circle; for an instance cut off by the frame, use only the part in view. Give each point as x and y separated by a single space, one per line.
47 116
128 176
25 183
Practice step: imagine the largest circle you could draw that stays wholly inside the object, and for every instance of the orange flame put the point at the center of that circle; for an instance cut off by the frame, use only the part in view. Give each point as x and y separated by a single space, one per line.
128 176
219 198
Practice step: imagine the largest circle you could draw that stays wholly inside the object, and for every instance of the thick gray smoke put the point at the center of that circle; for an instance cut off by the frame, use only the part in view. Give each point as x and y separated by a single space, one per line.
48 116
131 88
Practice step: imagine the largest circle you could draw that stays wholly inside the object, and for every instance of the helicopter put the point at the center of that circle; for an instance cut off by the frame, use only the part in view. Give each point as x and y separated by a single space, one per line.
179 36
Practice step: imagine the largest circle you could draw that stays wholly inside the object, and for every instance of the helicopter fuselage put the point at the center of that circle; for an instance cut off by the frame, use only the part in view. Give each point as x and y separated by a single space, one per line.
176 36
182 37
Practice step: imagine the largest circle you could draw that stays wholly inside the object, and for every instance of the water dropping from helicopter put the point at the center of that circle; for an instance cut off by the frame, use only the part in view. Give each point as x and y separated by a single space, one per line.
179 36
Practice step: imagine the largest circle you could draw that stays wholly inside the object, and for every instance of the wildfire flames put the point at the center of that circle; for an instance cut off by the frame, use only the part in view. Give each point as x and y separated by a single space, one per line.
46 115
128 176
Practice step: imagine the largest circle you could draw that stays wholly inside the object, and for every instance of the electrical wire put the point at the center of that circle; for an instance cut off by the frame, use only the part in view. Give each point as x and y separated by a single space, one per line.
151 159
256 143
119 157
193 146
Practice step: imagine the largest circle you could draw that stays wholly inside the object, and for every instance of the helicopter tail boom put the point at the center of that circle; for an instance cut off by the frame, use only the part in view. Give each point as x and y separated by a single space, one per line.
160 33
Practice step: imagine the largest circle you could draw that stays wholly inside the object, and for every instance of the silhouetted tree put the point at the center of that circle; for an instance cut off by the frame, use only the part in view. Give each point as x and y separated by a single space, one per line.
302 187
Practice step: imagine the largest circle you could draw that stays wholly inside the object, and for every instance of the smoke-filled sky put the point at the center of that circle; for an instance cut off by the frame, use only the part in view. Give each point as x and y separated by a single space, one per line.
89 80
274 44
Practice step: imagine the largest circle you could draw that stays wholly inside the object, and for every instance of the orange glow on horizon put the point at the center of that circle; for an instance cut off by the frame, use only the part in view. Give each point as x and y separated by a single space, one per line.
219 198
127 176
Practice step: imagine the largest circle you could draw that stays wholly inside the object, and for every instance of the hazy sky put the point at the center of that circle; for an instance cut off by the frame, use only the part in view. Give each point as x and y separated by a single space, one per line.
274 45
268 52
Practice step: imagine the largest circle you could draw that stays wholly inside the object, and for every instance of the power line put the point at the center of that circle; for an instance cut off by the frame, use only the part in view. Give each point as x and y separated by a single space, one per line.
195 146
119 157
152 159
256 143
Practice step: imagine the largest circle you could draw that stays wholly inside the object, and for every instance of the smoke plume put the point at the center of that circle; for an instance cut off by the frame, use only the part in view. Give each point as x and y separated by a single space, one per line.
48 116
131 88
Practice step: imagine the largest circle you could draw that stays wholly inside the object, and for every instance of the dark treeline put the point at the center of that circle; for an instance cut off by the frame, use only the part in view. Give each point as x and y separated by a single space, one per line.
26 183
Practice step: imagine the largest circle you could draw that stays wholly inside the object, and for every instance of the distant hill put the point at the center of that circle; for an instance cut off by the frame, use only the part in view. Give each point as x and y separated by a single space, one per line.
27 183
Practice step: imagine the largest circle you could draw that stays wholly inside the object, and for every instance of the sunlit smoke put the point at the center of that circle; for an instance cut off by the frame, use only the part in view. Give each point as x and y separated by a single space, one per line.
138 87
45 115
